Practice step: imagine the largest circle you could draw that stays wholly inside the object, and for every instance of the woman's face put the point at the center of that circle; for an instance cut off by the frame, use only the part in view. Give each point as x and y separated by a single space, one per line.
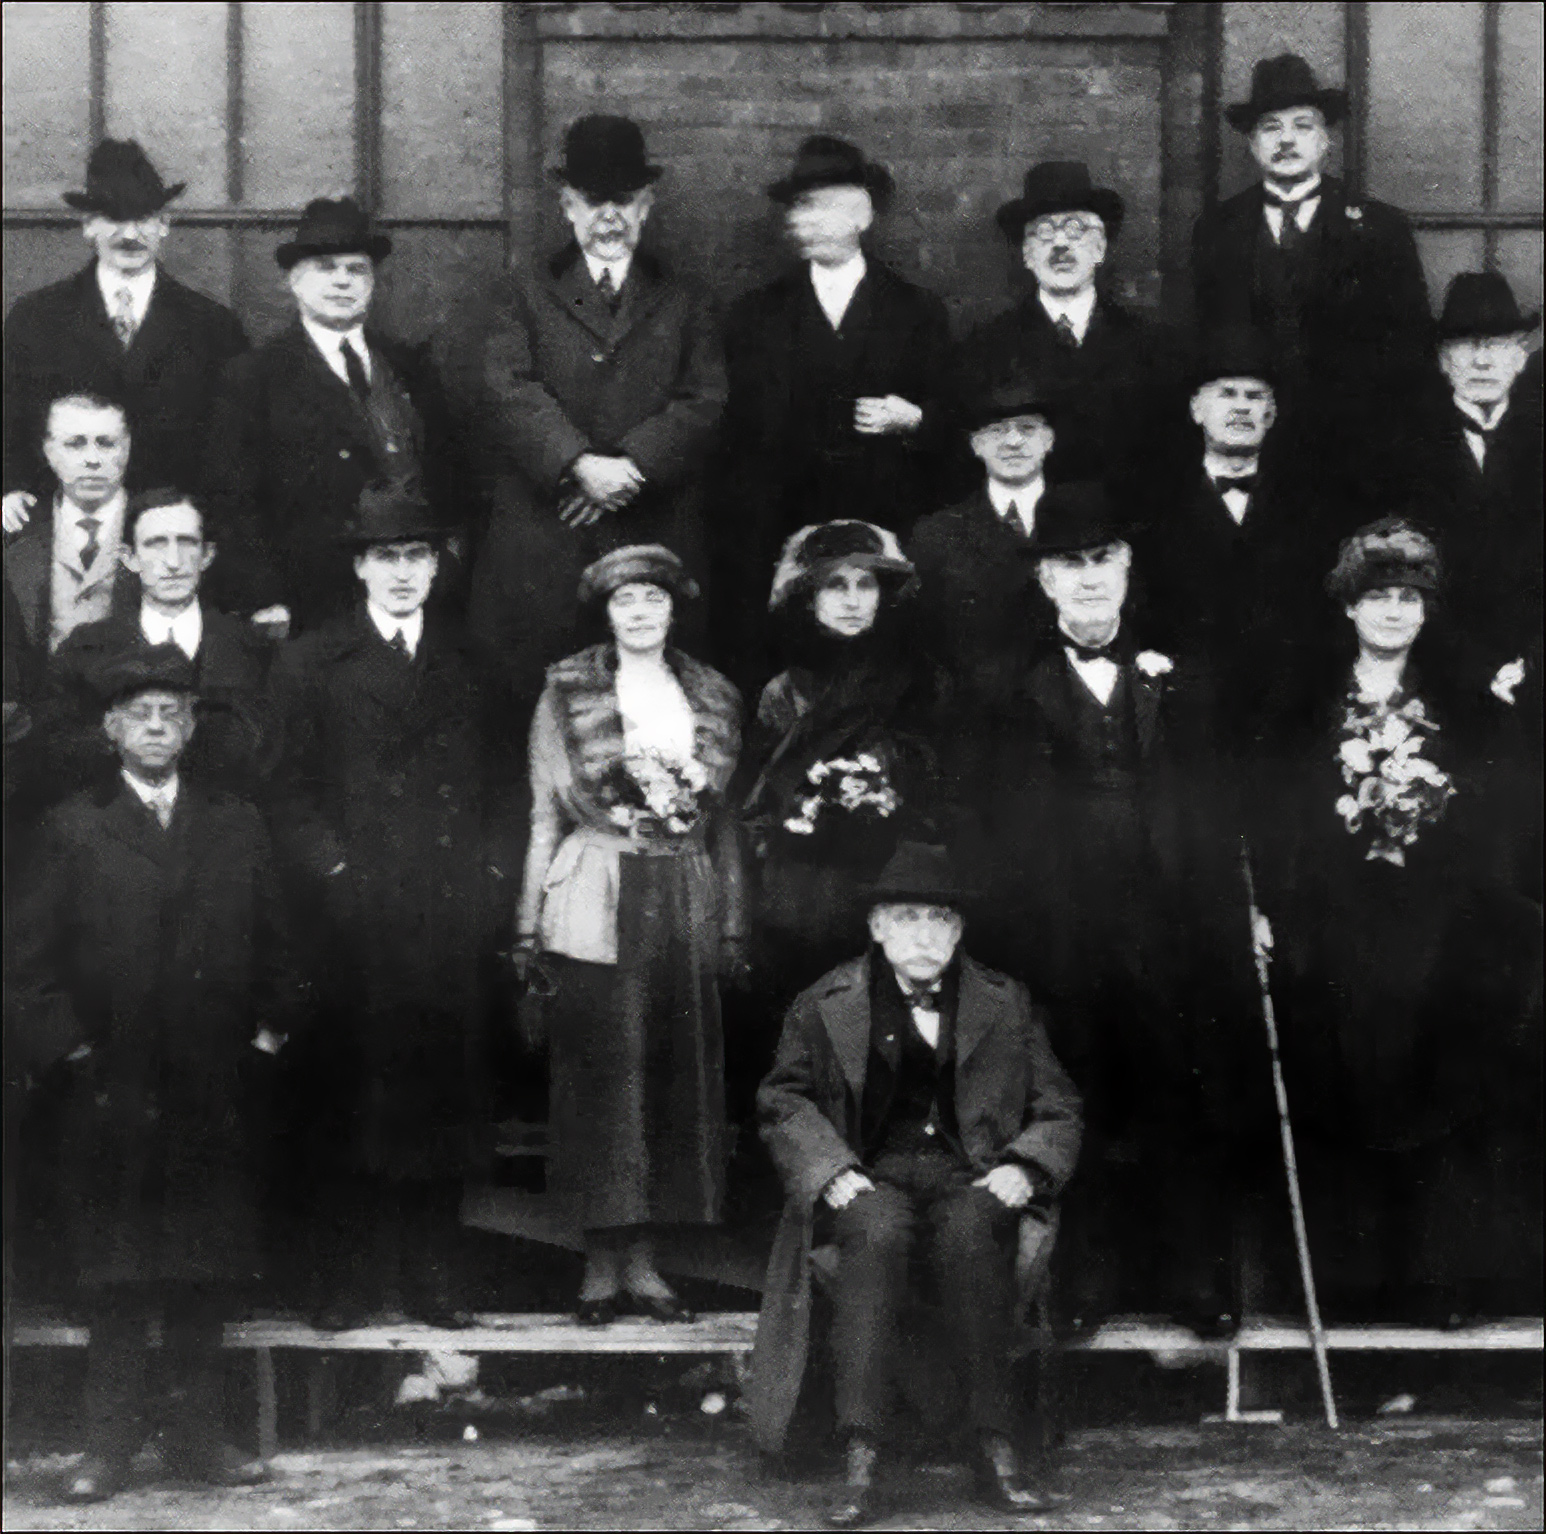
640 615
1388 618
847 601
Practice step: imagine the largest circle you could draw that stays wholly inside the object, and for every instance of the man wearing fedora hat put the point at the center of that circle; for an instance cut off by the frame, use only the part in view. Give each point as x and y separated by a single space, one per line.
914 1100
1106 369
123 327
149 962
608 381
1335 284
1104 874
308 419
388 810
836 383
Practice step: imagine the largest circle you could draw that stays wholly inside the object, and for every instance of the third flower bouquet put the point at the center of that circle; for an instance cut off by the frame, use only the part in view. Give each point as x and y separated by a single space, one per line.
853 787
1394 787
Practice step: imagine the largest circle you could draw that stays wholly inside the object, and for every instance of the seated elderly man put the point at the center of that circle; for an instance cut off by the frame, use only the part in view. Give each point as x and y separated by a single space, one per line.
914 1098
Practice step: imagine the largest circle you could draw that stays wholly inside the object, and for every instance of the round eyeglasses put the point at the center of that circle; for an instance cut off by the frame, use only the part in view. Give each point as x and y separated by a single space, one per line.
1077 226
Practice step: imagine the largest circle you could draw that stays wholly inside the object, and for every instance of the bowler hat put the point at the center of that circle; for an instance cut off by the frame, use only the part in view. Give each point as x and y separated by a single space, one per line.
826 161
1233 351
650 562
1011 397
122 184
919 873
333 228
146 668
1281 82
1483 304
1059 186
811 554
1076 516
604 159
391 513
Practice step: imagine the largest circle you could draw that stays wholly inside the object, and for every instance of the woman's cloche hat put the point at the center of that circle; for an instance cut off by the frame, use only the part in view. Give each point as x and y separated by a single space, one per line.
331 227
826 161
1282 82
919 873
1390 552
651 562
1059 186
814 552
122 184
604 159
1483 304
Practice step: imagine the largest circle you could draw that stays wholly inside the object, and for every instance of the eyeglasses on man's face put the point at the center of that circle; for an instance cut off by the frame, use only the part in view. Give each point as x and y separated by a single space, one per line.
1076 226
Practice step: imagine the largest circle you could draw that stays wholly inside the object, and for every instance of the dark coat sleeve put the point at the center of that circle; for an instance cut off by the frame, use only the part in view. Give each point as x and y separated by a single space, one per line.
308 839
1054 1116
236 483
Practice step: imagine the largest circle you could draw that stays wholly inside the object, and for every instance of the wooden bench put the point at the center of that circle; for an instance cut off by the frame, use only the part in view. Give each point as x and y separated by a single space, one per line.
732 1333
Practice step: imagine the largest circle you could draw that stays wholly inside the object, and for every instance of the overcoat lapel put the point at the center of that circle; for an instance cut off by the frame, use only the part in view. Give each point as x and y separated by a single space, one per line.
1146 702
157 333
976 1008
577 296
1051 688
320 383
643 293
846 1015
28 557
135 825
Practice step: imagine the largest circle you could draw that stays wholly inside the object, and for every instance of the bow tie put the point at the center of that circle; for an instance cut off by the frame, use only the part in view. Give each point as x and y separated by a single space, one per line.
1242 482
1089 651
927 998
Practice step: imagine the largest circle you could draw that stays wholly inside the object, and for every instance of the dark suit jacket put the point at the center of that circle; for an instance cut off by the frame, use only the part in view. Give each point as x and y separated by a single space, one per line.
59 339
567 376
29 571
288 452
236 738
1013 1101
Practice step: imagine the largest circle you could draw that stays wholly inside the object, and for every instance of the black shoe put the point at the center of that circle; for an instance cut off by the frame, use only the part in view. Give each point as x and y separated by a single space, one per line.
1000 1482
221 1465
854 1504
602 1312
95 1479
342 1316
662 1307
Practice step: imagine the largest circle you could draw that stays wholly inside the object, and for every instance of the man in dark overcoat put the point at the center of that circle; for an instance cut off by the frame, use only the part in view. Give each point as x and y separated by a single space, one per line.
148 963
122 327
308 419
385 809
914 1097
1334 281
1108 371
837 389
1108 884
165 547
608 381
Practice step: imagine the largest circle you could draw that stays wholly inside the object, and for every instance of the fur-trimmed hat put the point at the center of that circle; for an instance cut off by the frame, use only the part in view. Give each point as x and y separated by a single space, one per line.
814 552
1390 552
651 562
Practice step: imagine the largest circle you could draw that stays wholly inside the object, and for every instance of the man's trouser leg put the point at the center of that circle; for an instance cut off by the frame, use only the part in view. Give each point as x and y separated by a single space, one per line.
874 1236
115 1372
191 1338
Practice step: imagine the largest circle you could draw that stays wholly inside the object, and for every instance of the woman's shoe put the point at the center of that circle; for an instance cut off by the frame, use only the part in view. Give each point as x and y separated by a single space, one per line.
602 1312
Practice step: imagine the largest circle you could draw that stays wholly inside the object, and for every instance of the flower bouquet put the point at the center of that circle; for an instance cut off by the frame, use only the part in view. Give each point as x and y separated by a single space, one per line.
857 787
1394 790
656 794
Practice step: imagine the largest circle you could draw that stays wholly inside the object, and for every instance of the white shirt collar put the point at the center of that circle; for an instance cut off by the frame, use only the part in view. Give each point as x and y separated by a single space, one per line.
619 269
411 627
184 629
328 341
1078 308
1309 192
1024 498
1215 464
151 793
1485 420
835 286
141 286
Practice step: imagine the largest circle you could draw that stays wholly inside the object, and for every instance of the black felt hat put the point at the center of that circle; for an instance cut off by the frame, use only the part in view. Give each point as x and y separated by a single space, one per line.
604 159
145 668
331 227
1233 351
1060 186
122 184
1483 304
922 874
1014 397
1074 517
1282 82
391 513
826 161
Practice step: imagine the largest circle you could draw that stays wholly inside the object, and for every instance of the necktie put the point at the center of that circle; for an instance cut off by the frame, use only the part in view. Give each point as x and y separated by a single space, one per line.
163 808
400 644
91 548
608 288
123 316
1290 235
355 368
1066 332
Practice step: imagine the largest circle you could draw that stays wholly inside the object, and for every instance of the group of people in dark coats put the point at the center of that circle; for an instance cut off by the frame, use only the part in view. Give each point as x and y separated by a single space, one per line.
1048 635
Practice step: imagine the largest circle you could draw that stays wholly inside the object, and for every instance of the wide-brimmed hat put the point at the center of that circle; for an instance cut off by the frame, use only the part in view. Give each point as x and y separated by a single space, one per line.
1233 351
813 553
919 873
1003 400
651 562
1282 82
1390 552
391 513
604 159
1059 186
333 227
1076 516
826 161
1483 304
126 673
122 184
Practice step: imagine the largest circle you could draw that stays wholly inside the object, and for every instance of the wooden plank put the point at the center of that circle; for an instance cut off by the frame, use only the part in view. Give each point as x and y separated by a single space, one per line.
268 1403
1516 1334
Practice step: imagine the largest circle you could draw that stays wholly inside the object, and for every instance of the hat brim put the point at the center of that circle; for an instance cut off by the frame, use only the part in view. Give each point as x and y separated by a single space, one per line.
1101 538
976 420
814 574
1331 103
1106 204
363 538
123 212
1501 326
615 188
956 898
874 179
377 246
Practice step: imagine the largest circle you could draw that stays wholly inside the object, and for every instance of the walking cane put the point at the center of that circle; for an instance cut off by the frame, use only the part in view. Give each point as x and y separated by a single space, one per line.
1290 1161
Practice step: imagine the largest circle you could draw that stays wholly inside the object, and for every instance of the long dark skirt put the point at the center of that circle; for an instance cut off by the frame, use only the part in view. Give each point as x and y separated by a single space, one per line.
637 1116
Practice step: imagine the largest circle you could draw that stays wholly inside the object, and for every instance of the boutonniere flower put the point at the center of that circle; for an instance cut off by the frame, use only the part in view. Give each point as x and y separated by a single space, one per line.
1355 215
1152 663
